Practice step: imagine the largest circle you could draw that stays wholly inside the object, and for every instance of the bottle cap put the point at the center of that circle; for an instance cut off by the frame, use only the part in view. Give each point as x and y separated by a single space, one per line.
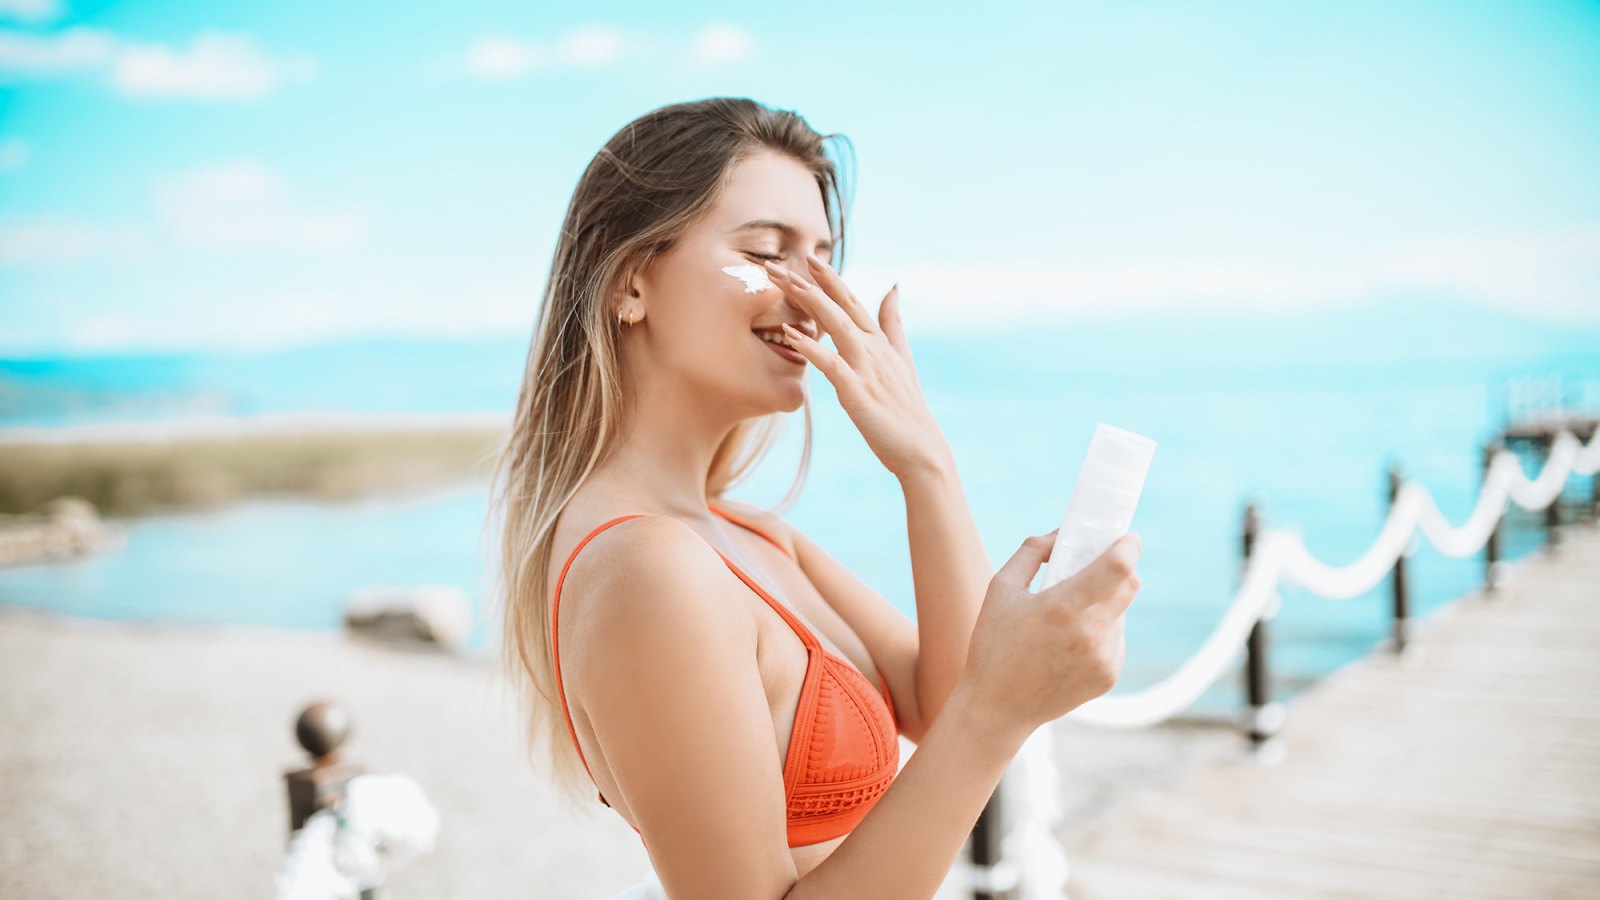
1118 458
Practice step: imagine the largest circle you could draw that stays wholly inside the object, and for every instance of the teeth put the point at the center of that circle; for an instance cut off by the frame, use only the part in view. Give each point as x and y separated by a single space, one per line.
772 337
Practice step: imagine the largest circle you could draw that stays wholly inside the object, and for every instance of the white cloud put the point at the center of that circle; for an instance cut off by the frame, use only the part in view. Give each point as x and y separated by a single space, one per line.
245 318
243 203
501 56
720 42
29 10
13 153
215 66
40 55
498 56
590 46
60 241
234 205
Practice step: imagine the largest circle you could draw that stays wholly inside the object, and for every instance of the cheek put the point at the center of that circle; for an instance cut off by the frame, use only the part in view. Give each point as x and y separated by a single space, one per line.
752 279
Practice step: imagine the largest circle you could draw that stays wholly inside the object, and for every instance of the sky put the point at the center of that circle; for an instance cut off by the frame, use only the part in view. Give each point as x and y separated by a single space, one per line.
185 175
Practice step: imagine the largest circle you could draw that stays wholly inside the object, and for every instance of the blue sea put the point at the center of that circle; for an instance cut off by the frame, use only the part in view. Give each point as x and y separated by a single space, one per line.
1300 413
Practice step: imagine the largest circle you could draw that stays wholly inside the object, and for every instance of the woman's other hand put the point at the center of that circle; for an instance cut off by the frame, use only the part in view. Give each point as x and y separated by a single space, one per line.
871 370
1035 657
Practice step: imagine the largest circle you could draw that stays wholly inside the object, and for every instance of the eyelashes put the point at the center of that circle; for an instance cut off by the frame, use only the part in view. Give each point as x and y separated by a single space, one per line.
767 256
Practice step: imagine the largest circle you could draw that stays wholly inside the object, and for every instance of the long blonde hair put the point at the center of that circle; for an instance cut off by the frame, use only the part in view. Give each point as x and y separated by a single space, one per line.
652 180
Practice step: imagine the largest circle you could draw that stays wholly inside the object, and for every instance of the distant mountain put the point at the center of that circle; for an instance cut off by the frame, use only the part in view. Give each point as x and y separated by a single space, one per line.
1413 338
1409 331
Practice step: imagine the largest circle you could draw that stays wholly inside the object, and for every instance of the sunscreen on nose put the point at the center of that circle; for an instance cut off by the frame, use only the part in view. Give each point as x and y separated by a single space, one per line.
754 277
1102 502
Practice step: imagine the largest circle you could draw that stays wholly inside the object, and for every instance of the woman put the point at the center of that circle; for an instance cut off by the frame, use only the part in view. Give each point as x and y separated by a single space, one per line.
727 687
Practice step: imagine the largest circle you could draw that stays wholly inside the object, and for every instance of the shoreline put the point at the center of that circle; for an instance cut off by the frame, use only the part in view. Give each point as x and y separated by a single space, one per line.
229 426
126 468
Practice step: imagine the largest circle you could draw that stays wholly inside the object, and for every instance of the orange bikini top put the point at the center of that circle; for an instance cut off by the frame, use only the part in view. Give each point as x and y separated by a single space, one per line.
844 749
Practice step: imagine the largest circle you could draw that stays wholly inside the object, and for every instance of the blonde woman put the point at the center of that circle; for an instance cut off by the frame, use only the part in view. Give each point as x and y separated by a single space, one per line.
729 689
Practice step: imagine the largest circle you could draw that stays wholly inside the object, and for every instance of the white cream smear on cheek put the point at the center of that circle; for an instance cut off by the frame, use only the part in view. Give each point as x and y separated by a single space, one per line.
754 277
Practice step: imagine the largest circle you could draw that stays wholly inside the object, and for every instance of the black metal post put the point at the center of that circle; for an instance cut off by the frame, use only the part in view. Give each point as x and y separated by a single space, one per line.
1594 496
1491 557
1402 604
1260 724
1594 480
1552 513
984 849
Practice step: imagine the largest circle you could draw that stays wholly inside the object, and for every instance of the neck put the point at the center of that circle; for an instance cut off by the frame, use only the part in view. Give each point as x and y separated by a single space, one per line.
669 437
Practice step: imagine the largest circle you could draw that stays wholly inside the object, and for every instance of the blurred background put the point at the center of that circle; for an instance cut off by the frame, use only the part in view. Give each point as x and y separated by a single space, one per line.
268 274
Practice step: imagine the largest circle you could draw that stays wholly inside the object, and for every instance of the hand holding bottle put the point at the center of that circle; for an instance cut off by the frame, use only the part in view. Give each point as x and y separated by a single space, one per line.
1036 656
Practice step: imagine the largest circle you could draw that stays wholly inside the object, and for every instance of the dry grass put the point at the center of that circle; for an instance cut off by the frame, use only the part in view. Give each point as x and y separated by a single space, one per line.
123 477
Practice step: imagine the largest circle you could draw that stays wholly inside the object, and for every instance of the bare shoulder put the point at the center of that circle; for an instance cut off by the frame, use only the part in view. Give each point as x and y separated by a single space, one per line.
638 576
673 691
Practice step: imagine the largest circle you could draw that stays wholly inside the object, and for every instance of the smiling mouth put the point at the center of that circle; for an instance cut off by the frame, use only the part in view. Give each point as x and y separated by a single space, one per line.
777 344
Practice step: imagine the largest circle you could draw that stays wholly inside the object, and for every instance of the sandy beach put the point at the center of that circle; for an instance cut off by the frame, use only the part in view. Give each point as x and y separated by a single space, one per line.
147 761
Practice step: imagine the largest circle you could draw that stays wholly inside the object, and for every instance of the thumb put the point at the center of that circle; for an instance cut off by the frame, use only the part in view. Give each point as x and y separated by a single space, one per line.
1018 571
889 322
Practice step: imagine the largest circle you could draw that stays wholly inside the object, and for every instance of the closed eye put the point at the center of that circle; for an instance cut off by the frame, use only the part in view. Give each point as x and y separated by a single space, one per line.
764 256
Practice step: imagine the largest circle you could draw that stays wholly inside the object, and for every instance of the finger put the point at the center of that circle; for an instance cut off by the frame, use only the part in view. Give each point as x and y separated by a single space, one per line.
831 318
826 361
1105 579
893 329
834 287
1018 571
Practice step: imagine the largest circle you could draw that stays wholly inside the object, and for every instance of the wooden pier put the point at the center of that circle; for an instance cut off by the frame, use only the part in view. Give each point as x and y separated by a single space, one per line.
1469 767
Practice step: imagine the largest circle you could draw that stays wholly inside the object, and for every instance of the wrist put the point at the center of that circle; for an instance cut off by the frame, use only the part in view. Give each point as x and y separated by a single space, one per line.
980 714
937 466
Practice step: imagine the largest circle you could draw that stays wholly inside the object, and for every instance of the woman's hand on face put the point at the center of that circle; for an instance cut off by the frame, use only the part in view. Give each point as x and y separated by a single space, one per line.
872 370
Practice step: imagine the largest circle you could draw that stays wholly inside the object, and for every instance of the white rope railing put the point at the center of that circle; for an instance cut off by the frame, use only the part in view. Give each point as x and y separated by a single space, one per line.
1280 556
1033 865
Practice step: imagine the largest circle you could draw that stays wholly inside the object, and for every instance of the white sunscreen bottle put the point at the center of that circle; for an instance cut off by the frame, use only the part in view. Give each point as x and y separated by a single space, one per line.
1103 500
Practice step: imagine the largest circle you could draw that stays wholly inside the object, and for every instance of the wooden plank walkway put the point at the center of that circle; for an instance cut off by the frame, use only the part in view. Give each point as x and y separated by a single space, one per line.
1468 769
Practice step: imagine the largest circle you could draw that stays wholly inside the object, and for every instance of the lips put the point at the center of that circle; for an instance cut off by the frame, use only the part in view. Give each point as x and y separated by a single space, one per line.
809 329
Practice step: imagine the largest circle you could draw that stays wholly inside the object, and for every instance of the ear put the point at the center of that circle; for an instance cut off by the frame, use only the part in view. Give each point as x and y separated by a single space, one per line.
634 285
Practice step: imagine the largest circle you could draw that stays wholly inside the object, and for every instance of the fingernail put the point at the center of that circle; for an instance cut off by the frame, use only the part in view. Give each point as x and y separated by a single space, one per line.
774 268
815 261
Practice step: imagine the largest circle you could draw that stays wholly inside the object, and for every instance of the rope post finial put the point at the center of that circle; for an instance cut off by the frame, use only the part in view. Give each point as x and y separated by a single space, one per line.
1402 602
322 728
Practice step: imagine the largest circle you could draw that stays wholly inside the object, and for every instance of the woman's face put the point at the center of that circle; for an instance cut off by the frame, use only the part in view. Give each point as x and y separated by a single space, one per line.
702 321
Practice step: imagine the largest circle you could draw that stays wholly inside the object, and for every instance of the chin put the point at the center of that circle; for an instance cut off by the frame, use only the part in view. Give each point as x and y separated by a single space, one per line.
793 396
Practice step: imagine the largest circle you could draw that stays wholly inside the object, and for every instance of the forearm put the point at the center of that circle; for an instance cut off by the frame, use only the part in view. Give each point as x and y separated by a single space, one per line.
907 843
949 572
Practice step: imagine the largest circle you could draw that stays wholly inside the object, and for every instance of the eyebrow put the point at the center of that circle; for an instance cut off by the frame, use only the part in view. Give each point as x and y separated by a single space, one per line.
788 230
